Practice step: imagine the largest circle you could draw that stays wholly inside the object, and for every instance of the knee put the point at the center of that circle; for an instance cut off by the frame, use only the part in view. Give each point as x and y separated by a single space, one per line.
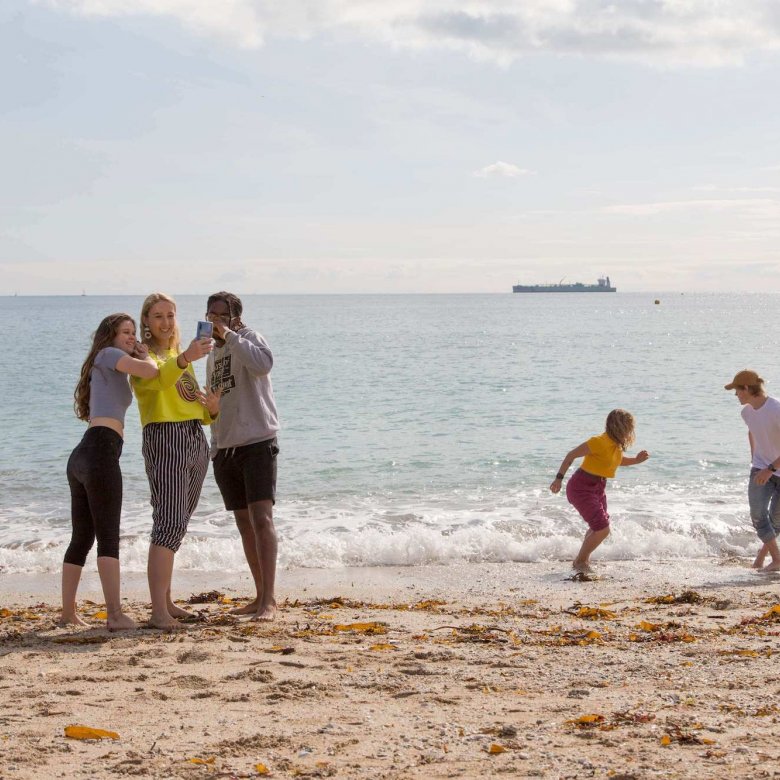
79 547
243 522
77 556
169 537
108 548
262 516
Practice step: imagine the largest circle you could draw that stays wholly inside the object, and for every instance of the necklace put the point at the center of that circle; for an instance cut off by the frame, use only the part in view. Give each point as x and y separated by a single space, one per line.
157 355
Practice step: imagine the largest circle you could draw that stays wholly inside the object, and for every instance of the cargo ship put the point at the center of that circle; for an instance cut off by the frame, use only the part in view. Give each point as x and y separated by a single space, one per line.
602 286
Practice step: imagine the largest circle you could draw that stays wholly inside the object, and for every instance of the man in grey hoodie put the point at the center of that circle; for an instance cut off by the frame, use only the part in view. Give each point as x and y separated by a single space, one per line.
243 441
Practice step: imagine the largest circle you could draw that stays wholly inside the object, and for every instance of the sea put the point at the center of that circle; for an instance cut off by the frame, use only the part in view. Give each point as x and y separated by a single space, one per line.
423 429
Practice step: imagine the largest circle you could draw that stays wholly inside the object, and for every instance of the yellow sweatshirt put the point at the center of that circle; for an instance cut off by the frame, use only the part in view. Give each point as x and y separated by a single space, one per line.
171 396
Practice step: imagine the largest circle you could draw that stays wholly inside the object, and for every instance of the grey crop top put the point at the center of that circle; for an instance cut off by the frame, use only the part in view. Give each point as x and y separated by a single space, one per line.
109 389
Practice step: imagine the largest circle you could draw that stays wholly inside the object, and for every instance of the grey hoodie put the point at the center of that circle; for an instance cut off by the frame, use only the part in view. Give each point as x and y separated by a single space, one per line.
247 410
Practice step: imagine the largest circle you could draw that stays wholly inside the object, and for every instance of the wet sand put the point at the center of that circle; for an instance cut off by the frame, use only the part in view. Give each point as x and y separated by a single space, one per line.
473 670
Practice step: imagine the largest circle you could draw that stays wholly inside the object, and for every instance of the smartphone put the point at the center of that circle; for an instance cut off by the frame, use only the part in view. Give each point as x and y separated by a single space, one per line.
205 329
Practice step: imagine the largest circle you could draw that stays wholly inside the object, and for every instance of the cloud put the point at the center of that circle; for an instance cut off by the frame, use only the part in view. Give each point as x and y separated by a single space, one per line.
715 188
659 32
758 206
502 169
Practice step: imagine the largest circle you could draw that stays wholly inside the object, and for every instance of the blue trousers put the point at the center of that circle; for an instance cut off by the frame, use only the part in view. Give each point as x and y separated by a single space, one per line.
764 506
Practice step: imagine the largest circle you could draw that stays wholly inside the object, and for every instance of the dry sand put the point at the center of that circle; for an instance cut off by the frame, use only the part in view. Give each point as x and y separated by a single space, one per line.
480 670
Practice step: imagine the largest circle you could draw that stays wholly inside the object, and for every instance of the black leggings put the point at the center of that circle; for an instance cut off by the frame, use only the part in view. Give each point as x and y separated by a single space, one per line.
95 481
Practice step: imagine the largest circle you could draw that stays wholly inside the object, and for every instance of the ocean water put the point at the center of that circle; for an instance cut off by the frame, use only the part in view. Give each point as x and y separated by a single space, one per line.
423 429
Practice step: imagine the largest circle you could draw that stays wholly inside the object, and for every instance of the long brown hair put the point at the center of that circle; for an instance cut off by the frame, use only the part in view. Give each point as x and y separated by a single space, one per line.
103 337
173 341
620 428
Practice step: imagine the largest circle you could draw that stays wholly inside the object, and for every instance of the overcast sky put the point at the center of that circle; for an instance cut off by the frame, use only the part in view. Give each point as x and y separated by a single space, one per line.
388 145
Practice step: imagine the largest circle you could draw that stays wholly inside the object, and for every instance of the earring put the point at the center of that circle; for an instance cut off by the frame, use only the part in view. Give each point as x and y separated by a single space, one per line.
147 333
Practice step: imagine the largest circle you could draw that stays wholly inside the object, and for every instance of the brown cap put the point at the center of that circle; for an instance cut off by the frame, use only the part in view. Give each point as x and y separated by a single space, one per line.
744 378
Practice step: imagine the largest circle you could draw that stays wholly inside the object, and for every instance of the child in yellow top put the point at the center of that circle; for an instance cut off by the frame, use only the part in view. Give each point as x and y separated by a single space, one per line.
585 491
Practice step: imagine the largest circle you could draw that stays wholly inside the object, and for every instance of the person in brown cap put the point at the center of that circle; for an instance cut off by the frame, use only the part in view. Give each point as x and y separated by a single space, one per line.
761 414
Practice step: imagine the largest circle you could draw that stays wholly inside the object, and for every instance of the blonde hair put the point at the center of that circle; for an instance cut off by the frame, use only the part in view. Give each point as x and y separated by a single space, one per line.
151 300
620 428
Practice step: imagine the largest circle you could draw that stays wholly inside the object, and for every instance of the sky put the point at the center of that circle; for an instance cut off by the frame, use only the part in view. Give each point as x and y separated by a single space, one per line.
388 146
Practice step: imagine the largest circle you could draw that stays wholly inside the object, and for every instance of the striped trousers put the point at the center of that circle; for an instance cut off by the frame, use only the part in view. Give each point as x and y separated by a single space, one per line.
176 455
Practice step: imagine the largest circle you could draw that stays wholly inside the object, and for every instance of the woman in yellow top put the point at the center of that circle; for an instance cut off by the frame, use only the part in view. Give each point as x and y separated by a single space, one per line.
585 491
173 412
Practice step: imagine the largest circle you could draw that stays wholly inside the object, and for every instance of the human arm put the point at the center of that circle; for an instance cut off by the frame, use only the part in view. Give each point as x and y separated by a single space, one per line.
763 476
577 452
197 349
139 363
171 370
251 349
640 457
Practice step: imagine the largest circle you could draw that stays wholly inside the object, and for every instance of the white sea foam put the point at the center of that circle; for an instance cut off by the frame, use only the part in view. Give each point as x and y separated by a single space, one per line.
367 532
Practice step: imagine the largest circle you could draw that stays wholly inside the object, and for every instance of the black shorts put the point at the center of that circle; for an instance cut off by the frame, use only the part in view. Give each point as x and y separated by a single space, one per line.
247 474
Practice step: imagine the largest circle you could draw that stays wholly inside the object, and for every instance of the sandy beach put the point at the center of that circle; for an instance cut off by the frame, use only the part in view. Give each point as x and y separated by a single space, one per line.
474 670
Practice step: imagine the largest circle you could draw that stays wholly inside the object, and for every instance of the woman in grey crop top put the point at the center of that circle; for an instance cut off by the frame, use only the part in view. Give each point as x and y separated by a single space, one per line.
101 398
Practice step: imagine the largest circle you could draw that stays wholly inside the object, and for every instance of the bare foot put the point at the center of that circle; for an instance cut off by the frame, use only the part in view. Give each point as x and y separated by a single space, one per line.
247 609
71 620
758 563
774 566
164 623
178 612
120 622
267 612
585 567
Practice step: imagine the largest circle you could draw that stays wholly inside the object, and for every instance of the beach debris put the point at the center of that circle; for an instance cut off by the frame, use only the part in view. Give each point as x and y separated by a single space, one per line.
203 761
686 597
591 613
495 749
478 633
560 638
657 635
771 616
87 732
280 649
371 627
341 602
616 720
100 615
587 721
746 653
20 614
684 735
262 769
209 597
428 605
380 646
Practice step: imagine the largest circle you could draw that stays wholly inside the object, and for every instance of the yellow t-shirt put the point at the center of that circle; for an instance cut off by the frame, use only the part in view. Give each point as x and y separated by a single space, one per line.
171 396
604 458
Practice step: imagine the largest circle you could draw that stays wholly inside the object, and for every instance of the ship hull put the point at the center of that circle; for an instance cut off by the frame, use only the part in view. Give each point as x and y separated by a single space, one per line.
562 288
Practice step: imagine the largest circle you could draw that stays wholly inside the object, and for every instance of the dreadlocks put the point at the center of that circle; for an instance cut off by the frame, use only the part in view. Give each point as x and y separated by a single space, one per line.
235 308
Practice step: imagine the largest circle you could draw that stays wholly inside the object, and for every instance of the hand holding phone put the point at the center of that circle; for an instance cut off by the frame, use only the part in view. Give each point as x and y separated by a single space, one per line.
204 330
